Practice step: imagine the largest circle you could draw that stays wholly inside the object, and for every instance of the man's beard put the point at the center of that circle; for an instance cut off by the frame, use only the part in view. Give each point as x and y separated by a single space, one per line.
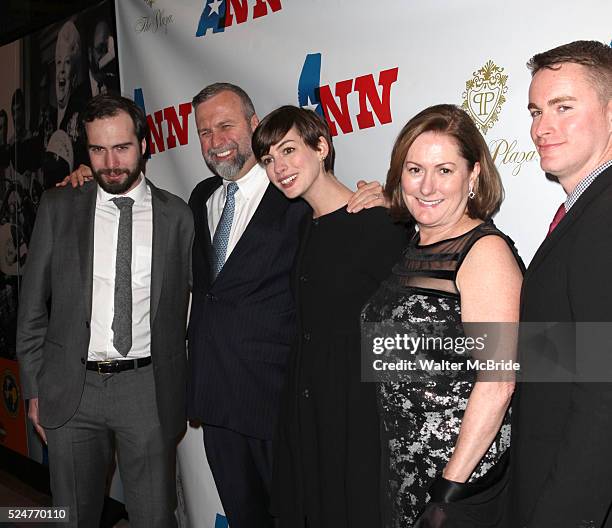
228 170
119 187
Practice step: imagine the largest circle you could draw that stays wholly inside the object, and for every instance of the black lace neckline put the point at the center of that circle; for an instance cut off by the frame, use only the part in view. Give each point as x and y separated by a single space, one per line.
417 236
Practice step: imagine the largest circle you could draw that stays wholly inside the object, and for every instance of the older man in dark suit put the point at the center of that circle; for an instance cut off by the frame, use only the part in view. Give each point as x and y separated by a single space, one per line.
562 432
106 366
242 319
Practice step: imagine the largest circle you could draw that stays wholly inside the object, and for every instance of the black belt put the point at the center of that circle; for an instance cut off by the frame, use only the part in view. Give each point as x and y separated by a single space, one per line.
117 365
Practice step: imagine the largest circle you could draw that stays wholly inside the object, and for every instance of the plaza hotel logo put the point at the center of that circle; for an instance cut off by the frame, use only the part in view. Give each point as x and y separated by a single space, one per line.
483 99
484 95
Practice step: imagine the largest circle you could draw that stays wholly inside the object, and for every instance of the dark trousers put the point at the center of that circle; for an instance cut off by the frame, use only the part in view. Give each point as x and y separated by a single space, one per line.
116 411
242 469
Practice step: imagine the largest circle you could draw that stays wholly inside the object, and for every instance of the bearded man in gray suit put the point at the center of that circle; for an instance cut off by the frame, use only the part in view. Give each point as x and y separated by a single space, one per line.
101 330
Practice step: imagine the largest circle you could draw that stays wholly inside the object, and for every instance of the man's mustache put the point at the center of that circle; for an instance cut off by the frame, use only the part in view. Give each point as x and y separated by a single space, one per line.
110 172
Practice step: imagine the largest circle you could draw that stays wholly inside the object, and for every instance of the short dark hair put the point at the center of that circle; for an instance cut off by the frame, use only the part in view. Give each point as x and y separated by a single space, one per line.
594 56
452 121
211 90
109 105
309 125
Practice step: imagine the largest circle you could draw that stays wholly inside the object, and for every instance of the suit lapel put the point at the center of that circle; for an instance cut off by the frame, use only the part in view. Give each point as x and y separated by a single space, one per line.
85 210
272 205
593 191
84 219
158 251
551 240
203 241
207 235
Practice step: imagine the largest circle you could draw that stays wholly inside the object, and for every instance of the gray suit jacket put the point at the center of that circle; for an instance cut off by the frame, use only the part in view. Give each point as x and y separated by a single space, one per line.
55 304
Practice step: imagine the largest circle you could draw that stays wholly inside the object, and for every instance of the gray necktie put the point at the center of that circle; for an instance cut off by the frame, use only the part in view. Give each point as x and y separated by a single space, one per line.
122 319
222 233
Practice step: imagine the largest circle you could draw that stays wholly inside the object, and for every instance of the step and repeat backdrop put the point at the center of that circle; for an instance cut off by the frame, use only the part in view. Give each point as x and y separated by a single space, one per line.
368 67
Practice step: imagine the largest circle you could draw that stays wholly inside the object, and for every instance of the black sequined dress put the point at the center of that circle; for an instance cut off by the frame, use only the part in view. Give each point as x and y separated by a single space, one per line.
420 421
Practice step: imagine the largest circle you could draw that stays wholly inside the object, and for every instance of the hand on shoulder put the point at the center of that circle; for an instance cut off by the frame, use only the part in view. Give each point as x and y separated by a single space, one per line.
368 194
77 177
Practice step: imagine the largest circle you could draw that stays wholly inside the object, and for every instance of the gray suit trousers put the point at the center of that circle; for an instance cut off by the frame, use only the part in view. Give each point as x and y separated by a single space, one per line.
116 411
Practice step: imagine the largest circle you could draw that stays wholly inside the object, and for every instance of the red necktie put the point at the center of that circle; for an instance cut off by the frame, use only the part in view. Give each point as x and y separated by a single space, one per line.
558 217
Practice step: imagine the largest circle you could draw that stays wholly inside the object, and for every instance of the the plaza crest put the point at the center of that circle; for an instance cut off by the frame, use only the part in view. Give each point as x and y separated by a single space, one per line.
484 95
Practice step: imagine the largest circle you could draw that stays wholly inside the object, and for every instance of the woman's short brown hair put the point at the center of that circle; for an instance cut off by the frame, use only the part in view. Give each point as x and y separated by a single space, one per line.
452 121
309 125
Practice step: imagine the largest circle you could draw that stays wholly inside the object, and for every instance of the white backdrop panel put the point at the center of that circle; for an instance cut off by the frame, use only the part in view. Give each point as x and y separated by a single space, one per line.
436 47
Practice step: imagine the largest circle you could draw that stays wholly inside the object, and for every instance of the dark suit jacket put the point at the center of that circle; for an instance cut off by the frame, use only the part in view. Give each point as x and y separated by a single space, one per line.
562 432
242 324
52 346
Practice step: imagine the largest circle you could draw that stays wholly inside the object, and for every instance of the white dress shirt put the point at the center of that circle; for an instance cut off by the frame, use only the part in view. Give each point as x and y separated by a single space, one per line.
105 253
251 188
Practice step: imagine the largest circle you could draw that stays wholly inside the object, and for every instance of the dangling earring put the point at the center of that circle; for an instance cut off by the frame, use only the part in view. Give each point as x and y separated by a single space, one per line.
471 194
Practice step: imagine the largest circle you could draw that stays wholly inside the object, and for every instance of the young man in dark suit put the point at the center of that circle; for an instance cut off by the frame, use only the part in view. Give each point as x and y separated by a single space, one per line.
105 367
562 432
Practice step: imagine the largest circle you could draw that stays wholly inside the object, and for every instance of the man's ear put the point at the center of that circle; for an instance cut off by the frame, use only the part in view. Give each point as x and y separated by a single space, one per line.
254 122
143 146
